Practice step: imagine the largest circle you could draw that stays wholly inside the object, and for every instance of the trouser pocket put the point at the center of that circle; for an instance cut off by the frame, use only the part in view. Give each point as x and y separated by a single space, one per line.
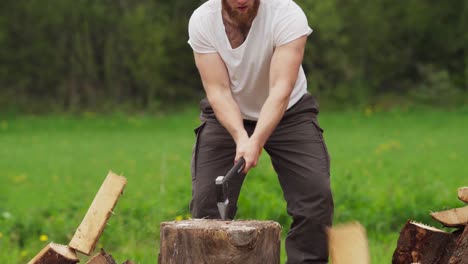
193 164
324 145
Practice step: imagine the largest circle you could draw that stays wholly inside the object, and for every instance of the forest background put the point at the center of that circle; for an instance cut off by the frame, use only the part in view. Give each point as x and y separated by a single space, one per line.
66 55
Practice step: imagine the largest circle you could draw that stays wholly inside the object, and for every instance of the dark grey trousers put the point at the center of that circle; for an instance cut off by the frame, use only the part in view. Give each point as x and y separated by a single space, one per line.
300 158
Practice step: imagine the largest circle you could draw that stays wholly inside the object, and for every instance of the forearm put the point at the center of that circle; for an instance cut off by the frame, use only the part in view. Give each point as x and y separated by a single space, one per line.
285 65
227 112
272 111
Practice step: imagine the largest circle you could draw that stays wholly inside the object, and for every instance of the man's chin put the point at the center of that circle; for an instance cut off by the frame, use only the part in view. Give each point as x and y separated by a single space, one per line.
242 16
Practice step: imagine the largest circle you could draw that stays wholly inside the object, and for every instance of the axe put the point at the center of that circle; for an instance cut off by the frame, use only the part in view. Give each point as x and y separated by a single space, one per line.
222 187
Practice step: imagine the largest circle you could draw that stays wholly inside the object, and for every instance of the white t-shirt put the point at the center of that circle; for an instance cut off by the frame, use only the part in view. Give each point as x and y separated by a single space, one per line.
277 22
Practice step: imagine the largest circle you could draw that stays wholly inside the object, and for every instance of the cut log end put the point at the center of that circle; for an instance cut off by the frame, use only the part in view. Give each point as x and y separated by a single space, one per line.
216 241
457 217
463 194
55 254
221 224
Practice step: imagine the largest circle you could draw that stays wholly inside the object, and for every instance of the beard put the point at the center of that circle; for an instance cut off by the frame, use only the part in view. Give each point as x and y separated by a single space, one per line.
242 17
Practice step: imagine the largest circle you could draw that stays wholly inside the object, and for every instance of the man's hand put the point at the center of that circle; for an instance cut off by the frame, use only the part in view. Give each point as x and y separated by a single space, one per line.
250 150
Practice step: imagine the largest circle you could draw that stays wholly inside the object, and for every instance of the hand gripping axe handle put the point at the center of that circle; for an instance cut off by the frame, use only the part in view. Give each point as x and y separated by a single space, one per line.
222 188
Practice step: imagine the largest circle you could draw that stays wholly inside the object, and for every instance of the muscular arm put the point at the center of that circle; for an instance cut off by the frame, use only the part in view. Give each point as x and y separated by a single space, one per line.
284 69
216 82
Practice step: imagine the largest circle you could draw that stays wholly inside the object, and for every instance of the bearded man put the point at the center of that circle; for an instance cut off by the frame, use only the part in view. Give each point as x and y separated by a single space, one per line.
249 55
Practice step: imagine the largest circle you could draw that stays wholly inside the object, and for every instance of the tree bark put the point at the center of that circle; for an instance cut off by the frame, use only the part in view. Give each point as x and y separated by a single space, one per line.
102 258
460 254
55 254
419 243
216 241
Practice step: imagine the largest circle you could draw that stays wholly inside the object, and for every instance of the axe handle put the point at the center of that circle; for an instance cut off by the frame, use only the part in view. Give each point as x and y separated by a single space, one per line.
236 170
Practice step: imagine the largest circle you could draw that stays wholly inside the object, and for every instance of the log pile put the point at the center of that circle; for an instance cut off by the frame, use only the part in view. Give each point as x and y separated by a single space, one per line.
419 243
90 229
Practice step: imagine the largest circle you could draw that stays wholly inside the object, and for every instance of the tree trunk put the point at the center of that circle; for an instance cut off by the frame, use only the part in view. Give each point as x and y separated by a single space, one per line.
419 243
55 254
216 241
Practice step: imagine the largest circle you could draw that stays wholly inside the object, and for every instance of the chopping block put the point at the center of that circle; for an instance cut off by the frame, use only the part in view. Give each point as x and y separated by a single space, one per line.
216 241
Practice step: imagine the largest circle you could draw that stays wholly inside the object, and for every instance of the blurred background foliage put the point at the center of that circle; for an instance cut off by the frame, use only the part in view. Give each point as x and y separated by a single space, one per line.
103 55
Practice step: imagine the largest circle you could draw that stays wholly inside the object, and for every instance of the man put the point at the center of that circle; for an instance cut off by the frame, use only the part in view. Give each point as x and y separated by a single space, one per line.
249 55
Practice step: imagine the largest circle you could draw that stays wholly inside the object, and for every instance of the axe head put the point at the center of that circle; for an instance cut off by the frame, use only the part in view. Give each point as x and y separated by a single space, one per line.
222 198
222 187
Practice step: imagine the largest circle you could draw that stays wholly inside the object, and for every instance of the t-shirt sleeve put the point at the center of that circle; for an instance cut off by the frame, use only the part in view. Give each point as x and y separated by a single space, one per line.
199 36
290 24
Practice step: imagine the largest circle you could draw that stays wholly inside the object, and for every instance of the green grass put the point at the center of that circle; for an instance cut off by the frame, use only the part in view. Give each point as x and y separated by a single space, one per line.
386 168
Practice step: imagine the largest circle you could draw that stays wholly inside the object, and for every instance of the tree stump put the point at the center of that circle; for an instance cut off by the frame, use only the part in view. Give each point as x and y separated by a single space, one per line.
215 241
420 243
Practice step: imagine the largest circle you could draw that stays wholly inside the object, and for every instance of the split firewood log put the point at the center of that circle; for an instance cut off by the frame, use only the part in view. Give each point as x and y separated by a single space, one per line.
348 244
95 220
102 258
457 217
55 254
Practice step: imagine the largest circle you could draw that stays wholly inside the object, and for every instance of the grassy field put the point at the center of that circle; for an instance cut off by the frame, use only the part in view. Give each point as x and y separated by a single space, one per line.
386 168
